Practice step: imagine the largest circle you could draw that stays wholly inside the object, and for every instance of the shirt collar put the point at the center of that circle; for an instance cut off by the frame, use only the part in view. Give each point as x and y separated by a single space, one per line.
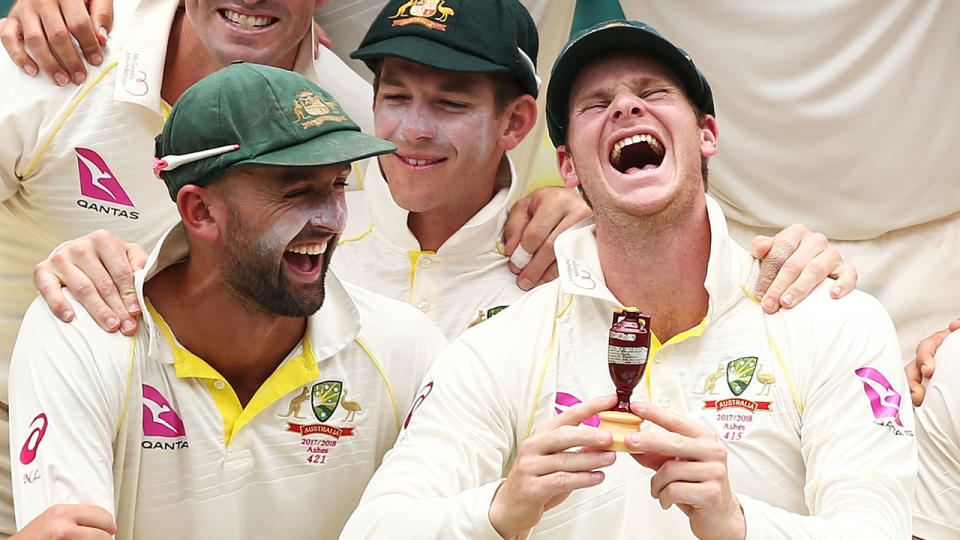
481 233
143 54
729 267
330 329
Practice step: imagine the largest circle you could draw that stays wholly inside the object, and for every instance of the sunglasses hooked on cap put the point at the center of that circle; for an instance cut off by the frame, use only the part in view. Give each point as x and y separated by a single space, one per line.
171 162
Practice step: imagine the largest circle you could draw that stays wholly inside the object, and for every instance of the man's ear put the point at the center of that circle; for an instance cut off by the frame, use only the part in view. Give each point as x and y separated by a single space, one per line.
201 211
520 117
708 136
567 169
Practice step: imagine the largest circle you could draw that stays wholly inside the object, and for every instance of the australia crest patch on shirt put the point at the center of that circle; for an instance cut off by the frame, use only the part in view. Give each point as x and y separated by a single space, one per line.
737 401
325 398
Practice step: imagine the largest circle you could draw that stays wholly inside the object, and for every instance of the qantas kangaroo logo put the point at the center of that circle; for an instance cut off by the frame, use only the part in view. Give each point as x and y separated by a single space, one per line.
96 179
159 418
884 400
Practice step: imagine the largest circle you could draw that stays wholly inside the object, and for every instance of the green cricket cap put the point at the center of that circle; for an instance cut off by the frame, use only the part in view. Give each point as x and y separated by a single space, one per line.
249 114
465 36
608 37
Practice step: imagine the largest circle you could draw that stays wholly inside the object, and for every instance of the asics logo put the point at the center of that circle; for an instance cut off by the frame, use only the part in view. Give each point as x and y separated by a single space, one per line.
38 428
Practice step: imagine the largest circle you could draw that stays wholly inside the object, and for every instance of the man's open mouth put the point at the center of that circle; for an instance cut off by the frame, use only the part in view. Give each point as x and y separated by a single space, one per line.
637 153
247 21
305 257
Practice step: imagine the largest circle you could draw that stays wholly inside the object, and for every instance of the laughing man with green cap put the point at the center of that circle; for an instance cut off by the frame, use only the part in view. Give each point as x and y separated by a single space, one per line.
257 384
787 425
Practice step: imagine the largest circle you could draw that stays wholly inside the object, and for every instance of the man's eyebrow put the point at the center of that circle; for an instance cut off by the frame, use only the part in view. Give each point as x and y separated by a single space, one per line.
655 80
594 94
389 80
289 176
458 86
637 83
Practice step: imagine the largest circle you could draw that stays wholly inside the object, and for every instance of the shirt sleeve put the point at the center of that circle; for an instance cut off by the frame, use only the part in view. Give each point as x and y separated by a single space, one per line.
68 390
457 441
11 117
29 117
857 429
936 510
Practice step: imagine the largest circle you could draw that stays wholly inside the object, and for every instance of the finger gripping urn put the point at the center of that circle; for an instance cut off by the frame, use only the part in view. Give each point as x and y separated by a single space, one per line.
627 351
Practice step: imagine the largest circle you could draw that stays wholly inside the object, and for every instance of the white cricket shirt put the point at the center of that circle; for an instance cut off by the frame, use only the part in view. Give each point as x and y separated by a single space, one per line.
464 282
936 512
147 430
76 159
818 443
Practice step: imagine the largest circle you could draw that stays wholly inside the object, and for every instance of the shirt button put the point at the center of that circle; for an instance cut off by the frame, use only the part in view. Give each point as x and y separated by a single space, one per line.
658 359
218 385
424 306
425 262
664 402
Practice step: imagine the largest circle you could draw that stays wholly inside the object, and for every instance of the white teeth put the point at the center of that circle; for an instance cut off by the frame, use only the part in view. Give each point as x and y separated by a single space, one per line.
419 162
310 249
245 20
634 139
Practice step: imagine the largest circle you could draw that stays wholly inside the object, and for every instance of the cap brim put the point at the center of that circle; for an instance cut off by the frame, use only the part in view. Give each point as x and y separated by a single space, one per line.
615 37
440 56
328 149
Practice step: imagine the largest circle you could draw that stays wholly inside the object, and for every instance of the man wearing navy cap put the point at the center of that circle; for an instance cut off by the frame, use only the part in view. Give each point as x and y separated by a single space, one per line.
787 425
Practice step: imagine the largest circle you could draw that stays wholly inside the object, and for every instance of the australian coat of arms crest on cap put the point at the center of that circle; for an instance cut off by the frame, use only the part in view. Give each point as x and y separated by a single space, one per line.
429 13
312 110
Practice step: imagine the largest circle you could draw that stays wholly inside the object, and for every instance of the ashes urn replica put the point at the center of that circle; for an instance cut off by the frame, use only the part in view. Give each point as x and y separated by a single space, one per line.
627 351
